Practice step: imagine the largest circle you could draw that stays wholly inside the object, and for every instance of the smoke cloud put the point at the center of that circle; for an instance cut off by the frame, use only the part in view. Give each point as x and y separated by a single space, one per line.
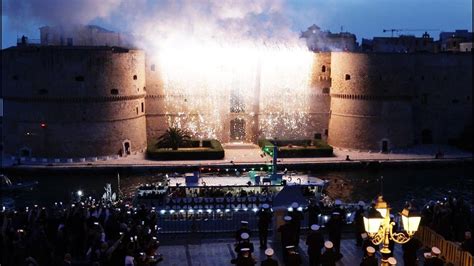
203 20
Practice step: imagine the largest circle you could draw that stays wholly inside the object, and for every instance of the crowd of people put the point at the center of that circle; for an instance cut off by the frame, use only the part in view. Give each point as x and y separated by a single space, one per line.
452 218
83 233
88 232
324 239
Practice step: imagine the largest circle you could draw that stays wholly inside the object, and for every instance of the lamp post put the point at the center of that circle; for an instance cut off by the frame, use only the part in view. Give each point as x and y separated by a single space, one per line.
379 228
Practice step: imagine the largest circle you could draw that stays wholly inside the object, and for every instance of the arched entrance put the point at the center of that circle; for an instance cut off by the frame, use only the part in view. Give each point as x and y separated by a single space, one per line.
237 129
126 147
426 136
384 145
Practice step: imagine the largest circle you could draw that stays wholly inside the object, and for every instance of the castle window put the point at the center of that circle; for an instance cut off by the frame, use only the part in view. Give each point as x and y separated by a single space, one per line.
326 132
323 69
144 88
134 77
136 109
43 92
348 77
15 77
325 90
79 78
114 92
152 67
143 108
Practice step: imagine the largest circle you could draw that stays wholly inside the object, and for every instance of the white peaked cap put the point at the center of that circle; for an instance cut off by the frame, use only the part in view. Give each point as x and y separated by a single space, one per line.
269 252
435 250
244 236
370 249
265 206
294 205
287 218
289 247
245 249
244 222
328 244
315 227
129 260
392 261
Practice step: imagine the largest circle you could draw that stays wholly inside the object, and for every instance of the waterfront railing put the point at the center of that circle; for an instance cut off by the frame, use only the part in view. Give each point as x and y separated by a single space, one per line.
450 251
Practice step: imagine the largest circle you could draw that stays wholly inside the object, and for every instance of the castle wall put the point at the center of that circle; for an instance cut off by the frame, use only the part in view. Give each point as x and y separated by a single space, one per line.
371 101
156 120
403 99
73 102
320 100
443 96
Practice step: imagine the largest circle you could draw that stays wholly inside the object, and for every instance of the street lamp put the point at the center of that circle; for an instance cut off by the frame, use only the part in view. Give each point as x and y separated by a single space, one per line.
379 228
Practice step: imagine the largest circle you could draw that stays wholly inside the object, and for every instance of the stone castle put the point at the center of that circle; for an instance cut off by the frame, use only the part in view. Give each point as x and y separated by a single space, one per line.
69 101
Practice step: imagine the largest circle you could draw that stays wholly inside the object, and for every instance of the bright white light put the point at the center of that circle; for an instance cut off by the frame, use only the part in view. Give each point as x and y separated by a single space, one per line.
300 208
255 209
163 211
227 210
200 76
79 193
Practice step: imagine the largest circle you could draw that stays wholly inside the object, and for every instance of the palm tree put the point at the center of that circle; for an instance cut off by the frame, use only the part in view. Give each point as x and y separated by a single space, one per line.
173 138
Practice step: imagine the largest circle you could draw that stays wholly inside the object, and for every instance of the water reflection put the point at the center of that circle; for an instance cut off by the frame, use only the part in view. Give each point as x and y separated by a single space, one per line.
351 186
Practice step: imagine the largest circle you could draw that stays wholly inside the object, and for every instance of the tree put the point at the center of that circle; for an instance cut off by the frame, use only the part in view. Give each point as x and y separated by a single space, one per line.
173 138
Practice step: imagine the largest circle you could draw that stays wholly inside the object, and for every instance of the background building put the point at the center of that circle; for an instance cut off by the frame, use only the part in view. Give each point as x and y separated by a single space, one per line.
326 41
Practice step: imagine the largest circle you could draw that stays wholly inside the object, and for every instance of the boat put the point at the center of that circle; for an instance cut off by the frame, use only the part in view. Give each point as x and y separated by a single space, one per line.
7 186
197 191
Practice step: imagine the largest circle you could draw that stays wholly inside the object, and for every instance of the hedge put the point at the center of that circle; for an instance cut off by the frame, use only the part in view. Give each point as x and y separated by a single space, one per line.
319 149
215 151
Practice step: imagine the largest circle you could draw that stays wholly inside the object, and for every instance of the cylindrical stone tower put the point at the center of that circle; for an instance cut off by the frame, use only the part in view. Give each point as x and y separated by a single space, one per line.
69 102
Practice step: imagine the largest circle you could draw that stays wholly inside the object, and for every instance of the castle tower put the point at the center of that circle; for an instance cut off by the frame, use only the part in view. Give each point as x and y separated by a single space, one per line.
69 102
371 101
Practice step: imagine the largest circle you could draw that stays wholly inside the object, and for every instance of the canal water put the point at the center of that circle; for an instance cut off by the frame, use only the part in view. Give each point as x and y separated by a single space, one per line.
398 184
